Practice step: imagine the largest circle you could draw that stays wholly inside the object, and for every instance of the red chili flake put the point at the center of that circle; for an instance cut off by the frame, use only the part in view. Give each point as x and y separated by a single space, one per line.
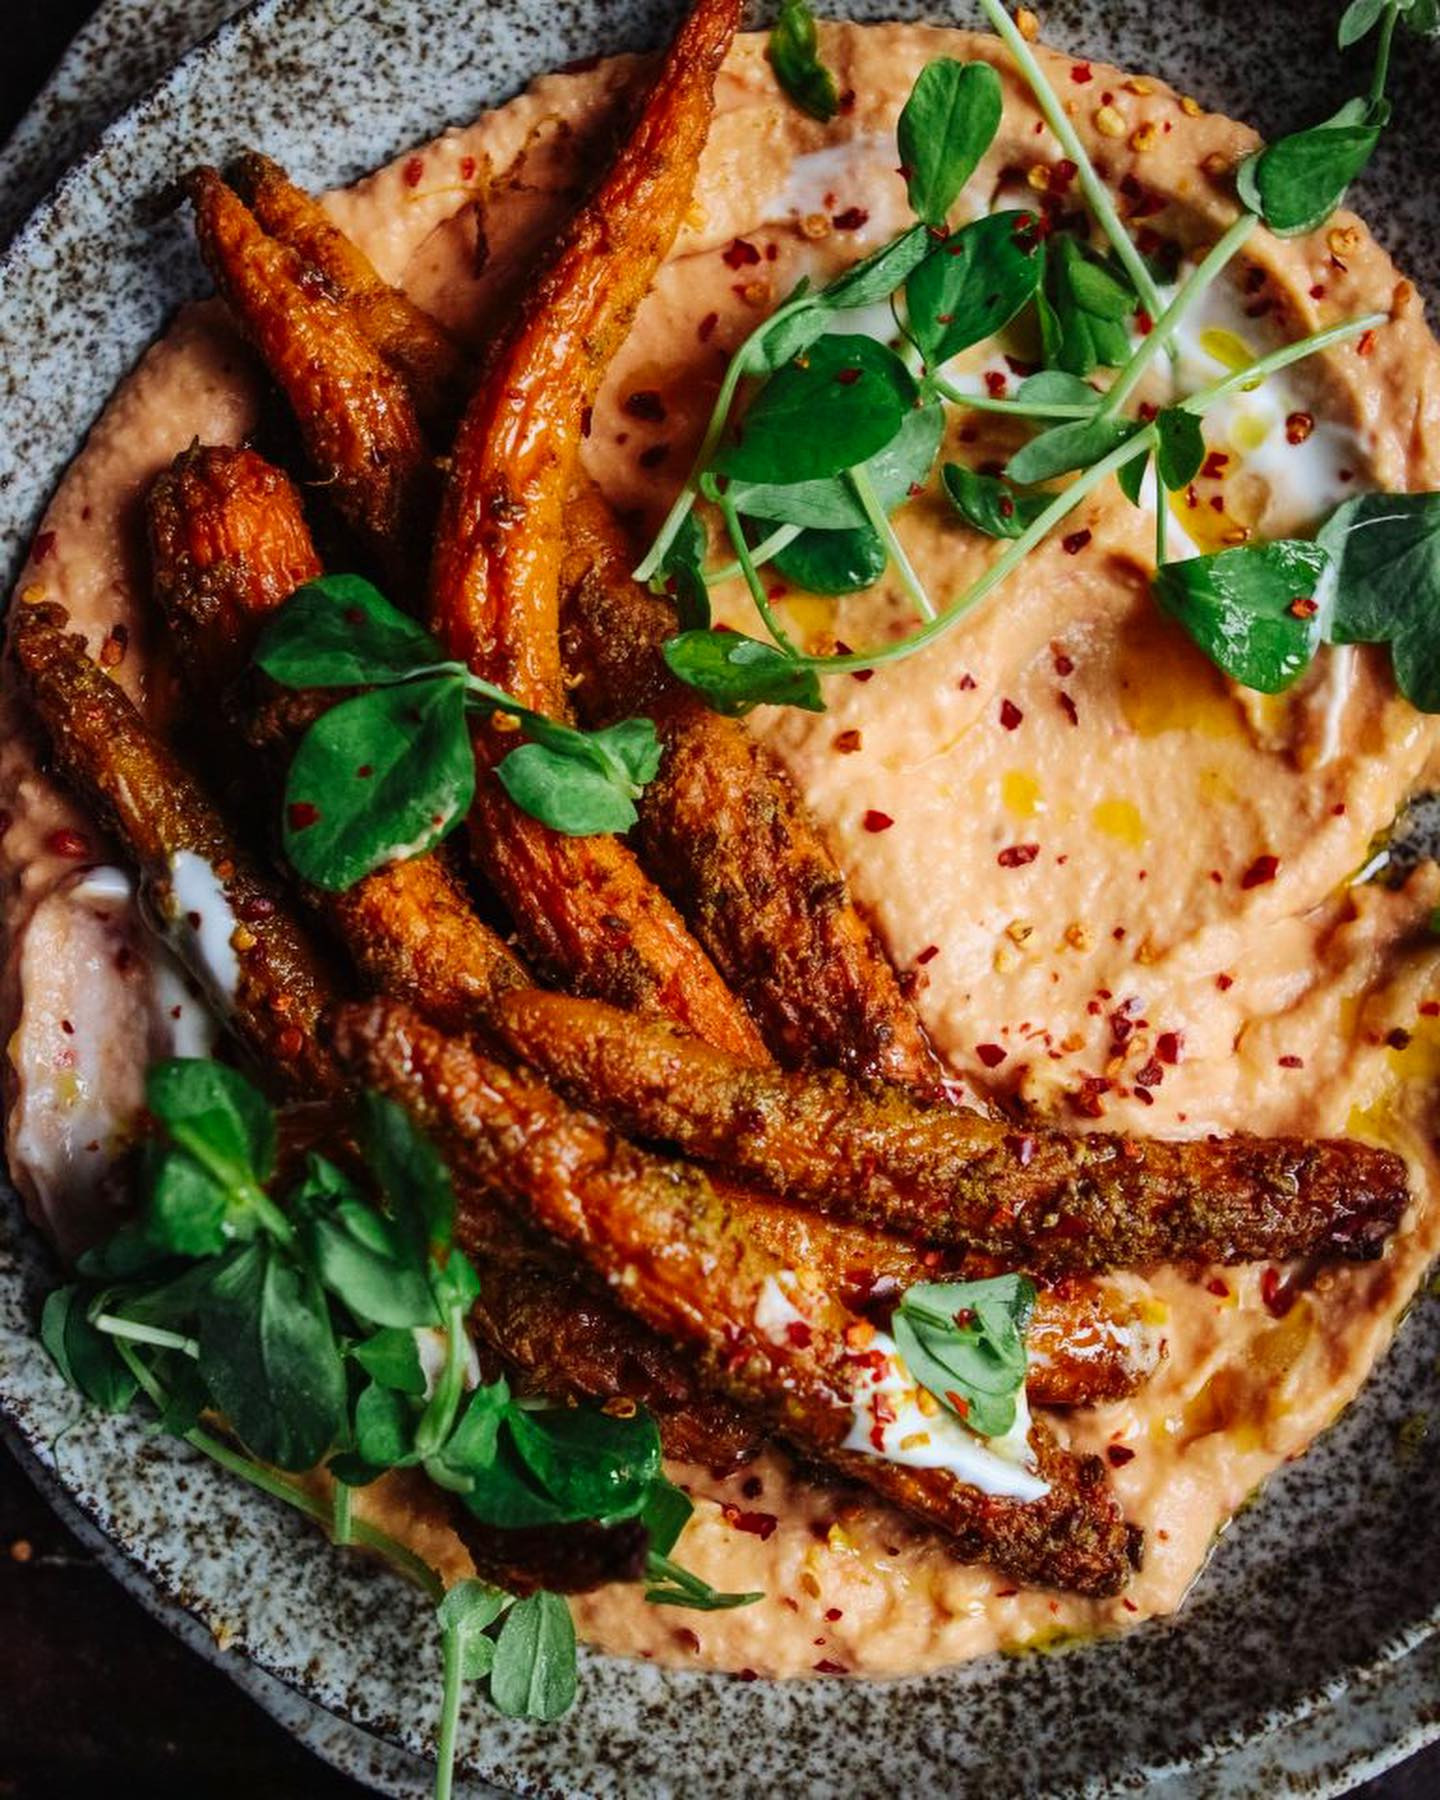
687 1639
1298 426
1303 607
758 1524
996 382
928 954
255 907
1149 412
467 168
1224 982
73 844
365 771
1398 1039
861 674
1117 1455
1214 466
706 326
1292 1062
1080 73
967 683
741 255
1218 1286
826 1667
832 1614
1063 664
1062 174
990 1054
746 1675
772 252
1076 542
1318 291
1366 343
290 1042
1069 708
877 821
1010 714
1430 1009
1015 856
847 742
753 1487
645 404
799 1334
847 377
854 218
1089 1098
1144 324
1338 809
1277 1296
1167 1047
42 546
1262 870
654 456
414 170
302 815
846 102
1151 1075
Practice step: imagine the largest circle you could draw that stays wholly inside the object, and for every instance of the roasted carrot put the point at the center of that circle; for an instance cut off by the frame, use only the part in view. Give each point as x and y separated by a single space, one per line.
726 835
422 352
1056 1201
226 919
355 413
583 908
669 1247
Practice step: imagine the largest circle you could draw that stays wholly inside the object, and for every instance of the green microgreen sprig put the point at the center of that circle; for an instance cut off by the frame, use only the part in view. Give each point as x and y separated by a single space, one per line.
388 773
827 525
298 1319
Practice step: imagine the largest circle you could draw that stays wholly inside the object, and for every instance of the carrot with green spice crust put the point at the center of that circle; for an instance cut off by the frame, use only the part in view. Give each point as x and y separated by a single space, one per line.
1054 1201
674 1255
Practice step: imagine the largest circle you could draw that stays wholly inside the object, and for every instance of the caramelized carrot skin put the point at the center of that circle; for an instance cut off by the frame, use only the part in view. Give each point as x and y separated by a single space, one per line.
433 366
726 835
354 412
156 809
669 1247
1054 1201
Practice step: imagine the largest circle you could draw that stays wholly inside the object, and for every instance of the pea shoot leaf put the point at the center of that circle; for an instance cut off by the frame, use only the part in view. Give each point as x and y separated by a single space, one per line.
341 631
1181 448
1252 610
880 274
735 672
1053 387
668 1510
946 126
794 55
682 575
1075 444
469 1608
1130 477
833 562
269 1359
392 1358
1358 20
973 284
384 1428
533 1674
582 782
831 505
592 1466
204 1185
378 779
87 1358
989 503
471 1449
410 1171
1385 585
965 1342
1088 311
835 407
1297 182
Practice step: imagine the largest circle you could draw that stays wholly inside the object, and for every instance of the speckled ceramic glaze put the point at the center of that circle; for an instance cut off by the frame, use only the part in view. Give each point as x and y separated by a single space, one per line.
1308 1655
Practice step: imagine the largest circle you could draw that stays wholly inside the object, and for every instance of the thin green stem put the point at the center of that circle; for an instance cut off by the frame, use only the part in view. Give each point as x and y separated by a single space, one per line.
1165 327
439 1415
114 1325
752 577
761 554
1243 380
1162 520
1020 409
340 1513
1382 53
1094 190
859 478
720 413
451 1656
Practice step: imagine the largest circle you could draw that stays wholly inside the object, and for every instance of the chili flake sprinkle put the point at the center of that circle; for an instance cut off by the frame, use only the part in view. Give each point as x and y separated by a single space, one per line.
1261 871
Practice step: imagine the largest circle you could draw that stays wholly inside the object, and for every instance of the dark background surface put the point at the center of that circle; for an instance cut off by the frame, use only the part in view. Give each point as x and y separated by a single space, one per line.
91 1688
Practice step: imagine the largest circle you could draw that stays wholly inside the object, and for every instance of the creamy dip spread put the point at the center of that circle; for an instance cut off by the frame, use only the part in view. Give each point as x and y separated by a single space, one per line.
1124 888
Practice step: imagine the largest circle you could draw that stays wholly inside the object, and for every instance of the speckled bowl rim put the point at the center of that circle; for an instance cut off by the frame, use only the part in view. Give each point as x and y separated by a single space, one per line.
145 1566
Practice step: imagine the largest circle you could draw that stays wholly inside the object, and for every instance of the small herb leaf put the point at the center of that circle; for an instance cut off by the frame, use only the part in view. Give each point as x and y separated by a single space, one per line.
84 1356
378 779
682 575
1073 445
973 284
1252 610
1090 309
794 55
1385 586
1180 450
340 631
392 1358
965 1342
946 126
830 505
533 1675
833 562
990 504
735 672
877 276
1298 181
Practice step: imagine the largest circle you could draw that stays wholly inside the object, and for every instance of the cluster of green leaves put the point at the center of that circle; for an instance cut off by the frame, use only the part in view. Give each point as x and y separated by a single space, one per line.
839 430
387 773
299 1322
965 1342
1299 180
